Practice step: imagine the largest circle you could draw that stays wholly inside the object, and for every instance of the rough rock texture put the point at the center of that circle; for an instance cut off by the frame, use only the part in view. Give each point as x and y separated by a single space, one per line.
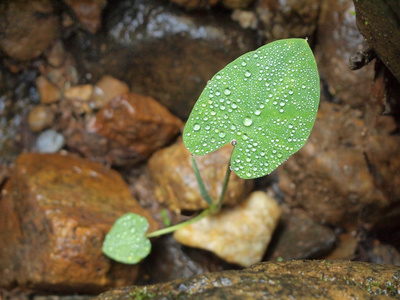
347 173
337 280
106 89
125 131
162 52
339 39
201 4
88 12
54 214
170 260
288 19
27 28
298 236
48 92
239 235
176 185
379 23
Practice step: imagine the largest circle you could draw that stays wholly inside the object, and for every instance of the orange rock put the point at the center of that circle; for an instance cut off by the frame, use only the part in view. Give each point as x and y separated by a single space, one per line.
54 214
176 185
48 92
126 131
27 28
108 88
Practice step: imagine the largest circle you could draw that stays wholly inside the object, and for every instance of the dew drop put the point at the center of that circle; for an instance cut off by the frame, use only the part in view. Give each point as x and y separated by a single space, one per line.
282 104
233 127
222 134
257 112
247 74
234 142
234 105
291 92
218 76
196 127
247 121
227 92
244 64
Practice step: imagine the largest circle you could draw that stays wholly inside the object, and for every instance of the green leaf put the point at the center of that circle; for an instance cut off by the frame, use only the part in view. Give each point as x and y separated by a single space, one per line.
126 242
266 101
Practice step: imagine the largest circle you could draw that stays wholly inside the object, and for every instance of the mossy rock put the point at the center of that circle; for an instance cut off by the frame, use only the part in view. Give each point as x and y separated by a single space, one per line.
278 280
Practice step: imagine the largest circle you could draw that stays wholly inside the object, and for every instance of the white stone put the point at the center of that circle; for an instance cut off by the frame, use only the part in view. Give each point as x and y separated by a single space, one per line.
238 235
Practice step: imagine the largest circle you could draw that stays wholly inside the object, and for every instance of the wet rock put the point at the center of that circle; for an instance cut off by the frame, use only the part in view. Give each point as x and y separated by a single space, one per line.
195 4
345 249
40 117
285 280
378 23
54 214
79 92
299 237
162 51
48 92
126 131
288 19
376 252
106 89
88 12
175 182
347 171
170 260
27 28
338 39
239 235
50 141
246 19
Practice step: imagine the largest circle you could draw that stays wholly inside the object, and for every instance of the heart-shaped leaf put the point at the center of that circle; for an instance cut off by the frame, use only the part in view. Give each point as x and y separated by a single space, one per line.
265 102
126 241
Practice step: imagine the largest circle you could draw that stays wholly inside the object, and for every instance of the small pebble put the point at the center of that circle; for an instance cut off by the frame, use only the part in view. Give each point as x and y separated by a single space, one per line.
40 117
50 141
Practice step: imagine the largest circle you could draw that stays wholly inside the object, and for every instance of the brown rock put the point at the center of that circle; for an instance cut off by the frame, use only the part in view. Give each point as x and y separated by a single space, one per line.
55 212
106 89
170 260
239 235
338 39
338 280
163 52
48 92
195 4
88 12
126 131
176 185
40 117
378 23
288 19
79 92
27 28
298 236
236 4
346 173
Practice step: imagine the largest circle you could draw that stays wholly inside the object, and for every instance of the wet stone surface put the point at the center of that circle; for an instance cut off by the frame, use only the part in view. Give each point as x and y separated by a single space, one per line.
54 214
162 52
176 185
285 280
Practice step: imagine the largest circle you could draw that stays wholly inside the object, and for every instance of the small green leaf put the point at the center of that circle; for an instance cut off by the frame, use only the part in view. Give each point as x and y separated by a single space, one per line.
126 242
265 102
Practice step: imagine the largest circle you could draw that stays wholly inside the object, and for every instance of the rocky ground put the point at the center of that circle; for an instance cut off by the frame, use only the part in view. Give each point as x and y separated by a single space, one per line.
94 95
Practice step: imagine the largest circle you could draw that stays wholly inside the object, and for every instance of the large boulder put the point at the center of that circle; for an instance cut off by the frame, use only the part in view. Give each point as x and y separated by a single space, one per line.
54 214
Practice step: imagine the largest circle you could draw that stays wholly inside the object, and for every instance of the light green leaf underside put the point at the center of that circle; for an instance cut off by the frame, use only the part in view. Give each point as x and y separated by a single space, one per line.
126 242
266 100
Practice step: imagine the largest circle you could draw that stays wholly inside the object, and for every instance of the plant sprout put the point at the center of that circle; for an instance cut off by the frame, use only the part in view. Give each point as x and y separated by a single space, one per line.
264 103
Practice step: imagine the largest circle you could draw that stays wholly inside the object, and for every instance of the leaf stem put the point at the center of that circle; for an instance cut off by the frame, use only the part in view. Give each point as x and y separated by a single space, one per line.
206 196
180 225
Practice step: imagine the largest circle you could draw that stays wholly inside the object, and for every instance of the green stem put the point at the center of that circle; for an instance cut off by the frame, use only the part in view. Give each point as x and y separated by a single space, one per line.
206 196
225 186
180 225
